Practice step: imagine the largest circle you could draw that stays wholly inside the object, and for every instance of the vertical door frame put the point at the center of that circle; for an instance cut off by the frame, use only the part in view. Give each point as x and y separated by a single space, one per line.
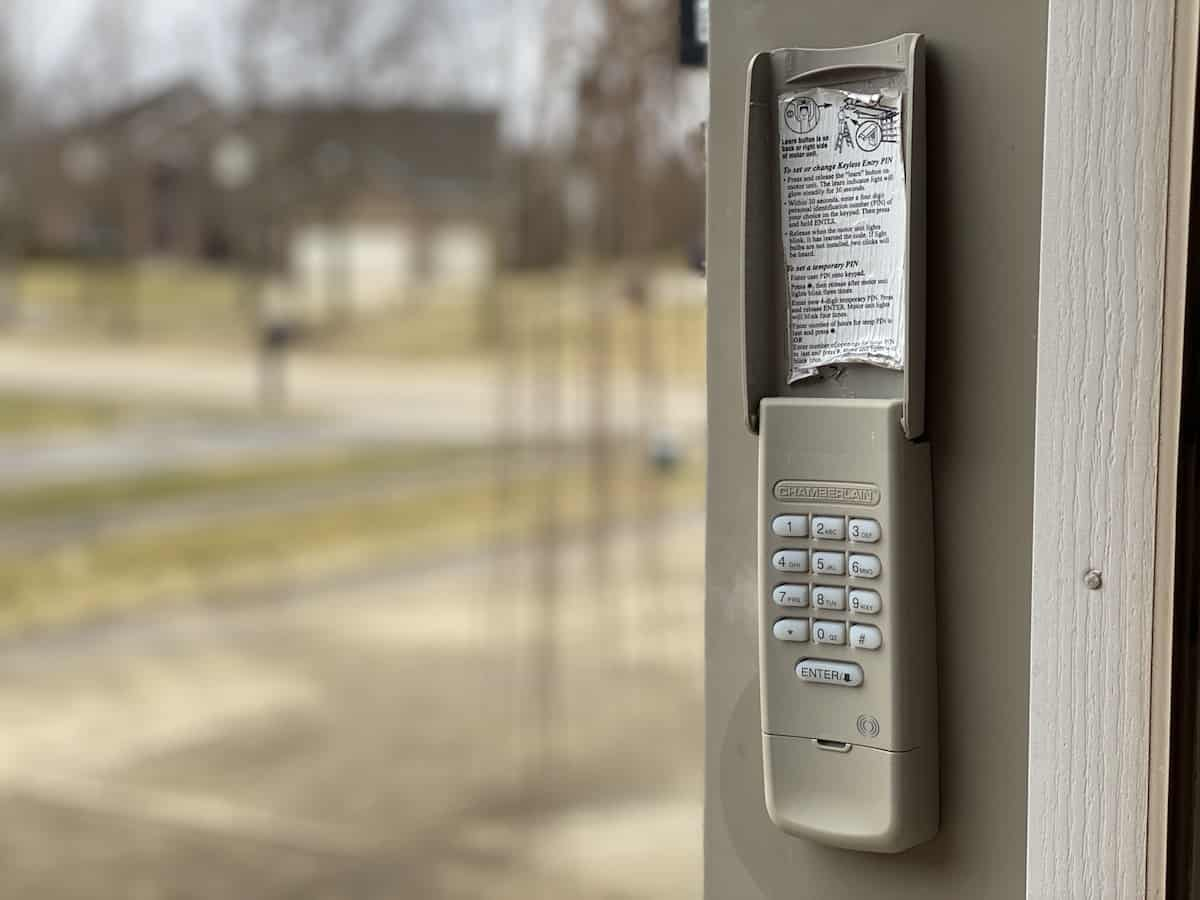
1120 97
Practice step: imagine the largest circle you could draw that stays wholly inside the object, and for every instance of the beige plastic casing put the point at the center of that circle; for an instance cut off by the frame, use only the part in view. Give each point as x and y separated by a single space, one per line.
827 778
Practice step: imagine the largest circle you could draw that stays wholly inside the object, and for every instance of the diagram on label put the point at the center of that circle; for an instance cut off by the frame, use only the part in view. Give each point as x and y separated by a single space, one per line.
843 215
867 123
803 114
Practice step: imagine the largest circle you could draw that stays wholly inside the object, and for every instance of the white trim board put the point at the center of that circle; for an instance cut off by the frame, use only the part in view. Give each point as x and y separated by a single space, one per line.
1104 420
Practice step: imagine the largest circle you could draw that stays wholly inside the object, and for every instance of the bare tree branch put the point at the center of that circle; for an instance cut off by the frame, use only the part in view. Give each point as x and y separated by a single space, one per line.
336 50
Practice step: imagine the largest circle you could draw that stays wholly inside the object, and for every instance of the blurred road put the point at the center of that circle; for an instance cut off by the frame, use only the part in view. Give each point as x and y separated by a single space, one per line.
352 403
387 738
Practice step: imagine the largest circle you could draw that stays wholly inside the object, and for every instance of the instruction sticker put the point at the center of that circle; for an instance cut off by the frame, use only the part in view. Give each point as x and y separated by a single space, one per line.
844 235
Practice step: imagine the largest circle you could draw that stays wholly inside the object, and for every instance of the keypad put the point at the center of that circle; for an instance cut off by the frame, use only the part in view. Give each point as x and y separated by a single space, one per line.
832 590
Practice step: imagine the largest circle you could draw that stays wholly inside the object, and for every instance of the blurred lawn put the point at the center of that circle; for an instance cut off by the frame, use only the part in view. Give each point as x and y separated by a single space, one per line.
148 301
536 315
127 494
34 414
539 316
223 561
22 412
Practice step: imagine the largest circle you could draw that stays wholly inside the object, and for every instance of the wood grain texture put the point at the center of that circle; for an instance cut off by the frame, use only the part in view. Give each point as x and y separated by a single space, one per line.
1100 339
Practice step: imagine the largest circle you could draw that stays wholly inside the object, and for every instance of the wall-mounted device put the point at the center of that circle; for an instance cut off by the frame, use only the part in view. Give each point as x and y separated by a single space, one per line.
834 322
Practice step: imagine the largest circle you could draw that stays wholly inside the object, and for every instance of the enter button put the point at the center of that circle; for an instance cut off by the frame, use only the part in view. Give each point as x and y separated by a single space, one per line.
824 671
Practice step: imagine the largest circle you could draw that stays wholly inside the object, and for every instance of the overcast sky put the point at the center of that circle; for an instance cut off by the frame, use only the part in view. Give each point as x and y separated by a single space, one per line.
191 37
51 29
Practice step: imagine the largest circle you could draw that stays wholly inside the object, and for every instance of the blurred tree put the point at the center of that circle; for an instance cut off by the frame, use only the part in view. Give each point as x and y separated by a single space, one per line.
15 120
333 50
97 73
10 73
626 98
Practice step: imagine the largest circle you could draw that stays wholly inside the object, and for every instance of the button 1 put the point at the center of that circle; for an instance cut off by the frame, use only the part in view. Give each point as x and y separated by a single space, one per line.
863 565
824 671
864 601
790 595
829 632
864 637
790 526
829 528
864 531
795 630
825 597
827 563
790 560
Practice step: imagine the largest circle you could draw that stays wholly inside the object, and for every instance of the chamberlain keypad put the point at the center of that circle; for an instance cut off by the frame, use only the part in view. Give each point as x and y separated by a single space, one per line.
806 544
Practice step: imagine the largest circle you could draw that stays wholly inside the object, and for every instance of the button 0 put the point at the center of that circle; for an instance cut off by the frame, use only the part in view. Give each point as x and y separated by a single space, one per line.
827 563
829 528
790 526
829 632
865 531
865 637
823 671
825 597
790 560
790 595
863 565
795 630
864 601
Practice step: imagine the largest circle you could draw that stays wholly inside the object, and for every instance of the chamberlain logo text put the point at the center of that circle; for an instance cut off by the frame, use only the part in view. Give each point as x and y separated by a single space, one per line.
827 492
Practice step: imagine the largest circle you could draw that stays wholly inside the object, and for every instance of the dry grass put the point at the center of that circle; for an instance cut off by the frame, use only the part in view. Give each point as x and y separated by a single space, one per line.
576 317
111 575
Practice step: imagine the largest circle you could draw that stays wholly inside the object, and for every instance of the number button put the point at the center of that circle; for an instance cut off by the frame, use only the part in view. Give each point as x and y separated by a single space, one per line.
829 632
865 637
824 597
863 565
790 526
791 595
829 528
864 531
827 563
794 630
864 601
790 560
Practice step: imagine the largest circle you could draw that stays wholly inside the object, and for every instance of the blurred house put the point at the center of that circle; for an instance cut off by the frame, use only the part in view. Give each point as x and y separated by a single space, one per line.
129 183
357 205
